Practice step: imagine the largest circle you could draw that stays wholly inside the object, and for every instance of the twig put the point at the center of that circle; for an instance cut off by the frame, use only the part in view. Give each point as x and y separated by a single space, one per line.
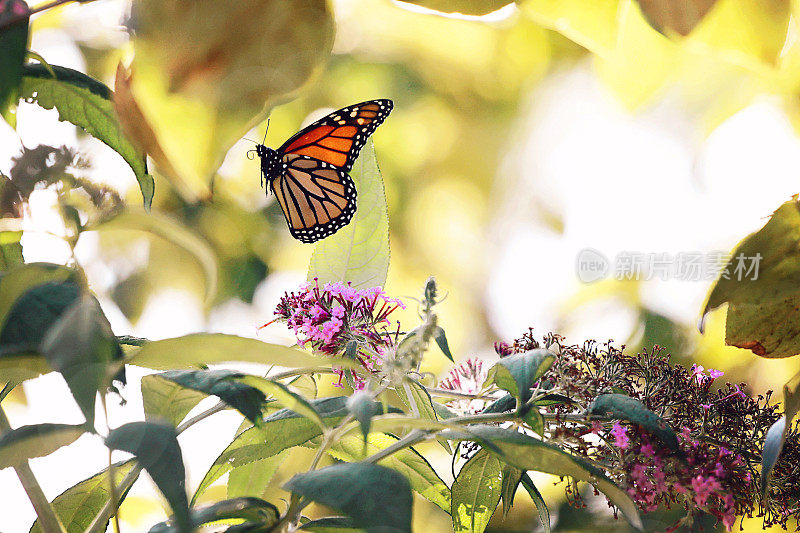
33 10
47 515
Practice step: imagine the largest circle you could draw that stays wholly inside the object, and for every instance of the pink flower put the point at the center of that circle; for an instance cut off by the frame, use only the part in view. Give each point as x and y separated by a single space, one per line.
715 373
621 438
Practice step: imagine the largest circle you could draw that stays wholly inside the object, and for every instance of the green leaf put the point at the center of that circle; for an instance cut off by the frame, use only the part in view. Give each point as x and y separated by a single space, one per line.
517 373
331 524
157 450
211 348
78 506
251 509
280 431
20 280
253 478
283 396
26 442
419 401
476 493
10 249
791 397
166 400
377 498
13 43
172 231
592 25
536 496
535 420
246 399
762 311
359 252
363 408
528 453
675 16
441 340
466 7
80 346
630 409
773 445
36 310
511 480
86 103
419 472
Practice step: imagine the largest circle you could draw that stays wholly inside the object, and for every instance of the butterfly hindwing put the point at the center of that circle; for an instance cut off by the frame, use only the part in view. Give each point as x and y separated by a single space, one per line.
317 198
338 138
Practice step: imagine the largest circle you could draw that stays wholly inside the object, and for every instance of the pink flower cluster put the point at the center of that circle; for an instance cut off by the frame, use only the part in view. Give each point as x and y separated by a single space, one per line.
331 318
702 478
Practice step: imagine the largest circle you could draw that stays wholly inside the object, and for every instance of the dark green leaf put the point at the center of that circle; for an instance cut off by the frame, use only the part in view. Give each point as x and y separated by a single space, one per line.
78 506
166 400
535 420
36 310
251 509
536 496
630 409
156 448
80 346
420 474
511 480
86 103
528 453
501 405
441 340
331 524
476 492
26 442
517 373
220 383
283 396
377 498
363 408
13 43
773 445
442 411
10 248
675 16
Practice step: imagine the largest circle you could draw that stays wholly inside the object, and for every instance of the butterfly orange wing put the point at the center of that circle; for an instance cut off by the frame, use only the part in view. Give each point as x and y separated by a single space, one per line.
338 138
316 198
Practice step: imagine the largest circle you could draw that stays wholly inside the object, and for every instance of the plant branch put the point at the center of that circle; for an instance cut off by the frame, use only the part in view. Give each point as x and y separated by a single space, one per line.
47 515
33 10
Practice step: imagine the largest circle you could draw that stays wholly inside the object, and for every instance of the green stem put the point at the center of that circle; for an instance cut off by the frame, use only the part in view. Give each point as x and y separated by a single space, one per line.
47 515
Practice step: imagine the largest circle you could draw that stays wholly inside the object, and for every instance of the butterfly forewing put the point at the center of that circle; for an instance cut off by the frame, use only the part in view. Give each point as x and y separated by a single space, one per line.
316 198
338 138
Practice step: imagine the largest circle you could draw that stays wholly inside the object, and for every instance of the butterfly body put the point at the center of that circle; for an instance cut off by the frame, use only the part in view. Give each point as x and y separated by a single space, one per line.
309 173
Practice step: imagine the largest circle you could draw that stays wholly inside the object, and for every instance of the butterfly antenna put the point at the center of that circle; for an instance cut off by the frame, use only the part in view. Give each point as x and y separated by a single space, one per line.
265 133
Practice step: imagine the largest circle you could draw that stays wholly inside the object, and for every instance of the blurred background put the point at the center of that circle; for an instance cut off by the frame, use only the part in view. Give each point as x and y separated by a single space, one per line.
519 139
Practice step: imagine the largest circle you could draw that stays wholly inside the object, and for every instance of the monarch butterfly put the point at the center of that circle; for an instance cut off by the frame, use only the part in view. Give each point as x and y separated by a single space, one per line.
309 173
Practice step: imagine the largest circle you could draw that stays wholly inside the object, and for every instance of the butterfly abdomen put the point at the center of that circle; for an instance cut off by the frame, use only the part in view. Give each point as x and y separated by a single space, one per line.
271 164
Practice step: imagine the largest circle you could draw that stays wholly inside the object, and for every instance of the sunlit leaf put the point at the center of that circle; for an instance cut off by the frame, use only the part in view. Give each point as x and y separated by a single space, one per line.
517 373
250 509
157 450
419 472
528 453
200 86
80 346
172 231
27 442
359 252
678 16
476 492
252 479
375 497
86 103
13 43
762 288
166 400
78 506
420 404
10 250
590 24
210 348
632 410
